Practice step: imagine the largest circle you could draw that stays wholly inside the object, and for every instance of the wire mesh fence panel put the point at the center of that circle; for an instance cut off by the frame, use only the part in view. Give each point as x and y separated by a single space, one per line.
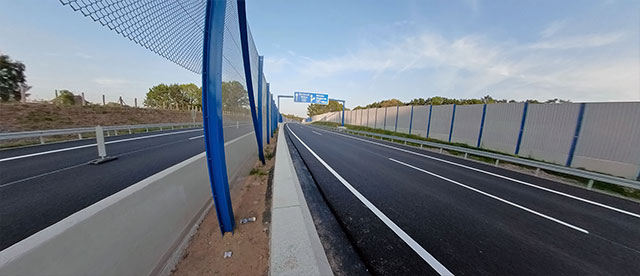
171 29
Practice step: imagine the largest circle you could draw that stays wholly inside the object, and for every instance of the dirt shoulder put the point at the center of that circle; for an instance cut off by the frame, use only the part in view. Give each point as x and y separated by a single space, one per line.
249 243
40 116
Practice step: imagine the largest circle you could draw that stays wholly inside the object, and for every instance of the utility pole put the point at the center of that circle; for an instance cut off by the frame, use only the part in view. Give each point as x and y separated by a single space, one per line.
83 100
56 93
135 102
103 101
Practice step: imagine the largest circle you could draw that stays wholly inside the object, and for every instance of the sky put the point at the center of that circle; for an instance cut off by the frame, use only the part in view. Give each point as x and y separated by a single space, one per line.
361 50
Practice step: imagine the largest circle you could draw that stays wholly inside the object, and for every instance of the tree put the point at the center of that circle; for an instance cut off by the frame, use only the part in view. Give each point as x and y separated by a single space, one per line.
65 97
292 117
12 79
316 109
181 96
235 98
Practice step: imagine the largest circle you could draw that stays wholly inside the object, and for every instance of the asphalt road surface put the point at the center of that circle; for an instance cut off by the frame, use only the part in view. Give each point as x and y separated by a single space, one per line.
40 185
415 212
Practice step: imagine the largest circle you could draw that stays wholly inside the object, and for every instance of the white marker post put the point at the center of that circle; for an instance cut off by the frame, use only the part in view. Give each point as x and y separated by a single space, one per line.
102 149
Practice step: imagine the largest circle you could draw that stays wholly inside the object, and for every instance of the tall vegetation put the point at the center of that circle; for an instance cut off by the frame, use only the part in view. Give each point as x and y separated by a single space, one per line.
13 81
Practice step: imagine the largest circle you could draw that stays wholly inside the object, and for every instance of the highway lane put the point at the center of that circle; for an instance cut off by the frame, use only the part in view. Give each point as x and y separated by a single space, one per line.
39 190
468 221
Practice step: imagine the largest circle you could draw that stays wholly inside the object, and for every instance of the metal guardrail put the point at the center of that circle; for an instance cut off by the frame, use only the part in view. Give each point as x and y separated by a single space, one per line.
79 131
591 176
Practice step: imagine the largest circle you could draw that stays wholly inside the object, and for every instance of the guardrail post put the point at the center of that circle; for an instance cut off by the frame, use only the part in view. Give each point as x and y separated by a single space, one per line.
116 132
129 131
79 136
146 129
41 140
102 150
497 162
537 171
465 155
590 184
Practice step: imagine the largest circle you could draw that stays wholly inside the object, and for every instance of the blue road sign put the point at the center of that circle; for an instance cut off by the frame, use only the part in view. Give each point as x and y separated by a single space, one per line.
309 97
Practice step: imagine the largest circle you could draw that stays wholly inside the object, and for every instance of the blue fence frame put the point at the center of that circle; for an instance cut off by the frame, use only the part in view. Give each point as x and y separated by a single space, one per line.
212 112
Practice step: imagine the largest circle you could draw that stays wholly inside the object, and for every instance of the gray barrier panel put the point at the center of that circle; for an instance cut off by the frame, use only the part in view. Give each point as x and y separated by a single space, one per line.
441 122
371 117
466 125
609 139
548 132
501 127
391 118
379 113
420 118
404 118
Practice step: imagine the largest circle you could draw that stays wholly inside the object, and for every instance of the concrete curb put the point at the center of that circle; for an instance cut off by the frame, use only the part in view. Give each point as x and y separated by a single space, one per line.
295 246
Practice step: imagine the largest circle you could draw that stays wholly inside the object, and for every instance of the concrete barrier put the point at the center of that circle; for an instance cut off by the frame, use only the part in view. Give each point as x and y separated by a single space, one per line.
136 231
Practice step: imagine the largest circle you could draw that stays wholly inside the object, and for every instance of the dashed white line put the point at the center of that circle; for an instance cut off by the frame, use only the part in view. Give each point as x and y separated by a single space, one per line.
196 137
494 197
426 256
494 174
316 132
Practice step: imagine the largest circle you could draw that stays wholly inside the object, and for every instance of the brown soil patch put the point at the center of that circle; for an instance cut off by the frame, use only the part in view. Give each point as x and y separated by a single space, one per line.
40 116
249 243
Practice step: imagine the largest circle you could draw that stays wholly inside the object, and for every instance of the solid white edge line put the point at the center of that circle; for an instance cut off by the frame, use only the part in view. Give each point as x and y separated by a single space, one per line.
91 145
496 175
426 256
196 137
494 197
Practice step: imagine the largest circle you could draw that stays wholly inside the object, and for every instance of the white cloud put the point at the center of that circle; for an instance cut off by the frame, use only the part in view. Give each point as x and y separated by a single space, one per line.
553 28
580 41
473 65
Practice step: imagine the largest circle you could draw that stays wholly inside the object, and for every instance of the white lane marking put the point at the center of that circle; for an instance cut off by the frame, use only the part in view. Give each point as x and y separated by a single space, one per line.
84 163
497 175
316 132
238 138
91 145
494 197
196 137
426 256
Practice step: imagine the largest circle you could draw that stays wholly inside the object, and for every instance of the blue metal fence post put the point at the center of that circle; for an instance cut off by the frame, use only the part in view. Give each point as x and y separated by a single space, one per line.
259 107
212 112
246 58
484 113
453 118
524 119
574 143
395 129
411 120
343 113
268 115
429 120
